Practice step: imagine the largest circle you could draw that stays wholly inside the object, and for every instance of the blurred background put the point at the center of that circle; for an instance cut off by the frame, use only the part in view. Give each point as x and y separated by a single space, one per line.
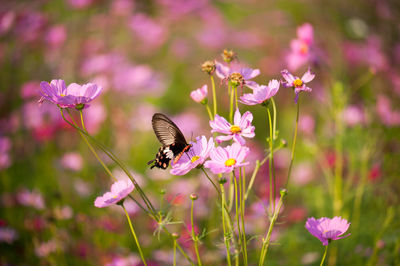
147 55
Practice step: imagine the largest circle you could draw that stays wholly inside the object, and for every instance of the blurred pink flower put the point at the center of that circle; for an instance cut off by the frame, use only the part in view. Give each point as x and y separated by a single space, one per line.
94 117
30 198
298 84
199 152
236 74
261 93
79 4
5 146
303 173
241 128
122 7
44 249
72 161
30 25
63 213
75 95
119 190
151 32
125 261
7 19
301 49
368 52
307 124
56 36
8 235
200 94
30 89
224 160
327 229
353 115
83 188
385 112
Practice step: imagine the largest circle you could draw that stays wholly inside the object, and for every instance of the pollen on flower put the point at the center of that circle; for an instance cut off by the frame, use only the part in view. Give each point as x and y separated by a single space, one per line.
230 162
297 83
236 79
194 158
304 48
208 67
235 129
228 55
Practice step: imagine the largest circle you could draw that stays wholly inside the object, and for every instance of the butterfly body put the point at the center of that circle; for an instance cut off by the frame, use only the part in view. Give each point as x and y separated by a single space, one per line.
172 139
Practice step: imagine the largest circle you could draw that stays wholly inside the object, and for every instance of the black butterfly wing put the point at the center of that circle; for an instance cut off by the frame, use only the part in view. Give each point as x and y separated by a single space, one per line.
166 131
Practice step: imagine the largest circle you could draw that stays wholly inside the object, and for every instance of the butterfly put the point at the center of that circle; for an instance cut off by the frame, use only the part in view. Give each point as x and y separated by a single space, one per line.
173 142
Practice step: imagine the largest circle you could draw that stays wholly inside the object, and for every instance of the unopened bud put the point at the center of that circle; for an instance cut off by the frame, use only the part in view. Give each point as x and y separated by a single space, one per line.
194 196
208 67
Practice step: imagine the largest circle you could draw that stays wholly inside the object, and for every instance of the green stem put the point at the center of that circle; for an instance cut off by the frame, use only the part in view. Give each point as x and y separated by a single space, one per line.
212 182
226 236
209 112
237 214
323 257
272 184
236 98
232 95
134 235
266 241
174 252
294 143
214 95
83 124
194 236
241 190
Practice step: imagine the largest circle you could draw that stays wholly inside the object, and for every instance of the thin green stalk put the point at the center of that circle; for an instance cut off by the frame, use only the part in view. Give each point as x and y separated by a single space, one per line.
194 236
323 257
212 182
231 192
209 112
294 143
83 124
360 190
174 252
237 214
266 241
272 183
236 98
232 95
134 235
214 95
226 239
241 190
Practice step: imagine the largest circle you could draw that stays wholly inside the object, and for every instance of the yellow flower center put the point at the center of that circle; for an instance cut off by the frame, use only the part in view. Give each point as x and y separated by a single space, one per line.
230 162
236 79
304 48
62 95
194 158
298 83
235 129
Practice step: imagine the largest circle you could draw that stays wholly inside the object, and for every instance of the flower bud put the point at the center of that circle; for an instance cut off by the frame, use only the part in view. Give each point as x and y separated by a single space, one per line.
194 196
222 180
200 95
175 235
208 67
228 55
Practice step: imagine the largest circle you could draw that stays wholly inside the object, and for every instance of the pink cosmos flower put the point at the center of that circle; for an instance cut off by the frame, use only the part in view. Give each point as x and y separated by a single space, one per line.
224 160
119 190
235 74
5 147
8 235
384 110
74 95
199 152
298 84
72 161
301 48
326 229
261 93
30 198
241 128
200 94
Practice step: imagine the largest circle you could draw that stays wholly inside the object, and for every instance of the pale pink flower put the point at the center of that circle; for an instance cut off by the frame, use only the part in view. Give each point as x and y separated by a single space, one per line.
225 160
261 93
301 49
72 161
30 198
119 190
8 235
298 84
200 94
241 127
327 229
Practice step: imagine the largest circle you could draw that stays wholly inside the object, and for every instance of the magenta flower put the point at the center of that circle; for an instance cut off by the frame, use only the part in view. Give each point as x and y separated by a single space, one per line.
326 229
301 49
261 93
199 152
236 75
241 128
224 160
74 95
298 84
200 94
119 190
